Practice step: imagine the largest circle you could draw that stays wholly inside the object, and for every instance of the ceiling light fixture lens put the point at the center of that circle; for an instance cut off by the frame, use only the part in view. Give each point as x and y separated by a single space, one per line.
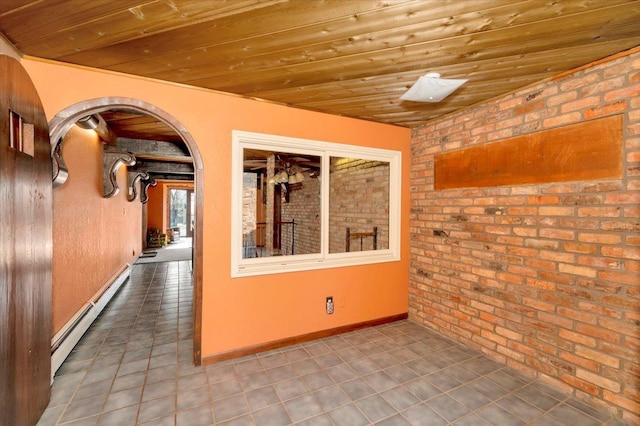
431 88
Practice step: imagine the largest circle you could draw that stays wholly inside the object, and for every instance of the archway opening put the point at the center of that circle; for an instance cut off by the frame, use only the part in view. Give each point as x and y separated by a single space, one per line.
61 124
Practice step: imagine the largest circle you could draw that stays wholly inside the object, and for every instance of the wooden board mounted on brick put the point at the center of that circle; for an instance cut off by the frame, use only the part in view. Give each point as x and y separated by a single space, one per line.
585 151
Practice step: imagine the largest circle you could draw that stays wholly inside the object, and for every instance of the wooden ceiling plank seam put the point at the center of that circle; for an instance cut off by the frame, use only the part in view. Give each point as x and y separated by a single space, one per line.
349 113
165 73
460 95
459 99
293 35
196 39
98 35
16 6
68 14
118 10
308 74
286 49
457 67
474 42
387 91
455 104
161 60
354 65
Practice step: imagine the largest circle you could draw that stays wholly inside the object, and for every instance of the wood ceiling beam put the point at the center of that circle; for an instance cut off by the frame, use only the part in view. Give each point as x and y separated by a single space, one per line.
162 167
146 147
169 176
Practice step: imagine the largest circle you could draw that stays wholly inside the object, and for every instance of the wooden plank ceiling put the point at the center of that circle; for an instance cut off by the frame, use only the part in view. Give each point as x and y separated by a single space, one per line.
348 57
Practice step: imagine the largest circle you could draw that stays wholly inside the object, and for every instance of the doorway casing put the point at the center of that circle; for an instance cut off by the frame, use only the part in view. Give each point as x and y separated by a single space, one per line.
65 119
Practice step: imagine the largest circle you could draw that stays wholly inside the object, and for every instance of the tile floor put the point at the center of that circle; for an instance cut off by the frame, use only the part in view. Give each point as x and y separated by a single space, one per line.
134 367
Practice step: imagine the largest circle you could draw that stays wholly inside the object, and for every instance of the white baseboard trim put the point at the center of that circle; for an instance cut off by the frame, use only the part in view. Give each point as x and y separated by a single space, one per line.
70 334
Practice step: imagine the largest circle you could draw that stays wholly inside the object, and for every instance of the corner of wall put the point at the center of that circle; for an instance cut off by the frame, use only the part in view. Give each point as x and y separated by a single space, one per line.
542 277
7 48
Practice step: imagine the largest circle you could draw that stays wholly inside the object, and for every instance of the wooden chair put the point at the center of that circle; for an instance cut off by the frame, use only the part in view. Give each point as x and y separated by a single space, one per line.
362 236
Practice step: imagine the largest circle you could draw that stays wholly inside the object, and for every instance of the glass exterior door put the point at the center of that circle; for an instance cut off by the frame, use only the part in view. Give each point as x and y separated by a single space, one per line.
181 210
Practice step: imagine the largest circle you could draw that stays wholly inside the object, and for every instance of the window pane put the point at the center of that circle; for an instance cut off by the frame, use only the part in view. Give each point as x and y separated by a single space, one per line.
281 204
358 205
178 210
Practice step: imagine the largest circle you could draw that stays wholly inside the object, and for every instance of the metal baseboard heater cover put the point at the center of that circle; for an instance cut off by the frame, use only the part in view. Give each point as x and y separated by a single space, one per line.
68 337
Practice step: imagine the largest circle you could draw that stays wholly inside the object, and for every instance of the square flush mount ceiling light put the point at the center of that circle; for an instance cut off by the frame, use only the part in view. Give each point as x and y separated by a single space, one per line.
431 88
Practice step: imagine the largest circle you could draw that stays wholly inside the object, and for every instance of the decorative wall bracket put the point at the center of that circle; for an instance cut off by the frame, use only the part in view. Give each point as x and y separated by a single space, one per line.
145 181
144 197
112 162
60 169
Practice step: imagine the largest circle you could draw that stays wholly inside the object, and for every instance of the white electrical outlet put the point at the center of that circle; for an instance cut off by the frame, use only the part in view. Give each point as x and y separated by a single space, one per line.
330 305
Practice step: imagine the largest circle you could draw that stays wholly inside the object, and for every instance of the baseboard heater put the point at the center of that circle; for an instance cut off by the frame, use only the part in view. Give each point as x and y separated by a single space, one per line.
68 337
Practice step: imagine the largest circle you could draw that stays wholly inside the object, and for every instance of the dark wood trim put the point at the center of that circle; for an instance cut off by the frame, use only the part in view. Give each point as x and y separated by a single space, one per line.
197 262
250 350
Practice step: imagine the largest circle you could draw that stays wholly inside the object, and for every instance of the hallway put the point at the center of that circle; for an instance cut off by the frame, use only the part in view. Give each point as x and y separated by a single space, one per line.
134 366
173 252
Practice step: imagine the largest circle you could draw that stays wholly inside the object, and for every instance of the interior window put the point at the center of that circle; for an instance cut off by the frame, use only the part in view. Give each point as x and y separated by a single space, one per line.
301 204
281 203
358 205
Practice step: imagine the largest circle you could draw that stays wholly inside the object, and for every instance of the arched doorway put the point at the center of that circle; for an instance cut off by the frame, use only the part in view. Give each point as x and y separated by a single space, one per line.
65 119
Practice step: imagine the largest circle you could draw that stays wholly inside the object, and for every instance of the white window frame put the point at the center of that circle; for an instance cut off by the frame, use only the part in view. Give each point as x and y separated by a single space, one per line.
241 267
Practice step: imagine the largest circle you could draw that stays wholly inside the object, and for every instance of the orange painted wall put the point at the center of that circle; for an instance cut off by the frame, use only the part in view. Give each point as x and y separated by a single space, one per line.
253 310
157 208
156 216
93 237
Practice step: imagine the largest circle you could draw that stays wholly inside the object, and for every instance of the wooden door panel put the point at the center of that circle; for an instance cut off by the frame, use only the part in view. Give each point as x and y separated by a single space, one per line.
26 249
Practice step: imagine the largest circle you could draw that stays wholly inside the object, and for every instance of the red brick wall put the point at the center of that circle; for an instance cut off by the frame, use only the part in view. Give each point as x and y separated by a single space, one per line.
249 205
544 278
359 200
304 208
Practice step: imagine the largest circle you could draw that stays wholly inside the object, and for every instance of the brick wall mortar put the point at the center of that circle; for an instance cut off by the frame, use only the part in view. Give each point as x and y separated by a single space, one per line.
544 278
358 199
303 208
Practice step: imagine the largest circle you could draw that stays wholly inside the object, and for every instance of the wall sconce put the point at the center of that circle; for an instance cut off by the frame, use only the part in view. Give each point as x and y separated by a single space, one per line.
96 123
90 122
